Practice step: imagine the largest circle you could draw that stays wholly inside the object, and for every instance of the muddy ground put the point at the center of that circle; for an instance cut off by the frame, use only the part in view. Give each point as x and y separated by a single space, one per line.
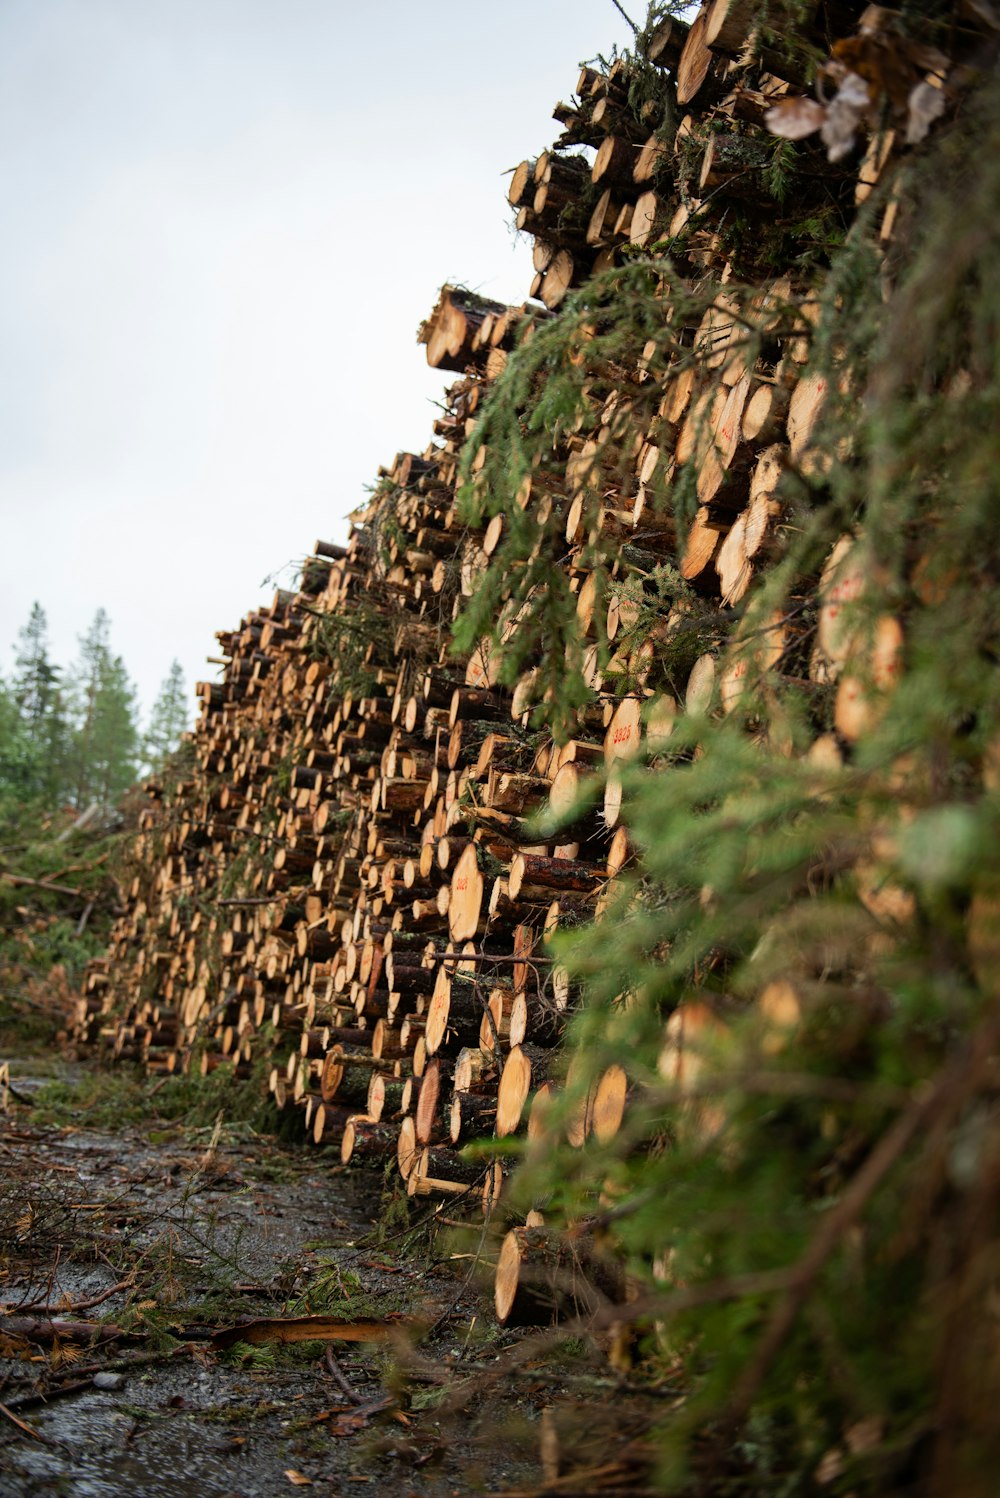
210 1228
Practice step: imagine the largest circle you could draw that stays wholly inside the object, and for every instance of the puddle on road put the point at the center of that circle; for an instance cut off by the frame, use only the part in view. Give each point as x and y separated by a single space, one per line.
111 1445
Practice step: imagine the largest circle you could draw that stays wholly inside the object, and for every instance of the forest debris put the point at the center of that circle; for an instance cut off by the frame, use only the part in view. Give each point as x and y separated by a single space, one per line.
880 65
29 1430
44 1329
338 1374
83 820
79 1305
304 1329
84 1376
349 1422
46 884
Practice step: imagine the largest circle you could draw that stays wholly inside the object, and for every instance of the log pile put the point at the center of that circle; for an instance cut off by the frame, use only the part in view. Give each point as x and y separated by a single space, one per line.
316 895
348 895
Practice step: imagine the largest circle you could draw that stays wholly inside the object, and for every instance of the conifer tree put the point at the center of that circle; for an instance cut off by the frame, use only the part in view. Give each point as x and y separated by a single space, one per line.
105 741
18 760
37 695
169 718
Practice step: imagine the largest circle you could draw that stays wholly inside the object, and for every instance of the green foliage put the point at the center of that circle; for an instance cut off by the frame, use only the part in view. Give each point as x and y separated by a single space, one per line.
20 762
809 1188
206 1102
33 726
105 744
57 897
79 742
256 1359
383 520
120 1095
356 641
550 402
779 175
168 720
106 1099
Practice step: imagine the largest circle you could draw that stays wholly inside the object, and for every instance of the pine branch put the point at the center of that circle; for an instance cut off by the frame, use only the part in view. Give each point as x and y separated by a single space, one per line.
622 13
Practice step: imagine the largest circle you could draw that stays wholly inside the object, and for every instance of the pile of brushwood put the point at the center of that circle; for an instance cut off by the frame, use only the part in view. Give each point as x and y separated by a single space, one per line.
58 898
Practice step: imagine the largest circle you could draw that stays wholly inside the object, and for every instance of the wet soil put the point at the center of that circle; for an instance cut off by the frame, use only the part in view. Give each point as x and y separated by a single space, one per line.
208 1234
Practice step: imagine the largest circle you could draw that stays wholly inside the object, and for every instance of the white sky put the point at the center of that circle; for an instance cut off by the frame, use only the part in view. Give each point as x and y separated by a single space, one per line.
221 222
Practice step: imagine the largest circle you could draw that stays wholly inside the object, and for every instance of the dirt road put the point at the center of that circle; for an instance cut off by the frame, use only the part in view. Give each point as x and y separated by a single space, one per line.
156 1237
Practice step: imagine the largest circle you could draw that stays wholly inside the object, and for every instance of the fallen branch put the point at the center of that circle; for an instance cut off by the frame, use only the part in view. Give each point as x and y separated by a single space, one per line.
305 1329
43 1329
80 868
82 1376
338 1373
349 1422
29 1401
19 1097
250 900
488 957
82 821
81 924
29 1430
56 889
79 1305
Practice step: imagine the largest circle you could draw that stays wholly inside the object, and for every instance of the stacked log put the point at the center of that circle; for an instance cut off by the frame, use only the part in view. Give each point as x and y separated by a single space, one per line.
347 892
312 900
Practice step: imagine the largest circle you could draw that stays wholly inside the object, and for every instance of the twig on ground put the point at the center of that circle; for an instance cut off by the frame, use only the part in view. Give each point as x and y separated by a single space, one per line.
338 1374
28 1401
29 1430
115 1365
69 1308
19 1097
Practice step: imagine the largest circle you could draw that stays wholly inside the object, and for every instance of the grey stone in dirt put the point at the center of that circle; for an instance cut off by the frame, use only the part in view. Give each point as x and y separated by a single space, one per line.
109 1380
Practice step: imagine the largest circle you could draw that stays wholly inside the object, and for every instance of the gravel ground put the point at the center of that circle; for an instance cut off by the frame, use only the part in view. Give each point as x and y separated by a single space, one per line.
206 1238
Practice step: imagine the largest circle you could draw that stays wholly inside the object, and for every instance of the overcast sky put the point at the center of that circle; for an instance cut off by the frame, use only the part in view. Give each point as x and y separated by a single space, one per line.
222 221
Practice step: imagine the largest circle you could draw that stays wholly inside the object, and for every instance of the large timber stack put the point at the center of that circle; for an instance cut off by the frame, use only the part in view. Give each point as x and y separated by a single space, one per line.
347 894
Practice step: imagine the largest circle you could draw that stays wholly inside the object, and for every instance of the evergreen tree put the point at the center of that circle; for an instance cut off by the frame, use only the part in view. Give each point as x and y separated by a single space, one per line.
18 757
37 694
105 740
116 740
169 718
94 658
